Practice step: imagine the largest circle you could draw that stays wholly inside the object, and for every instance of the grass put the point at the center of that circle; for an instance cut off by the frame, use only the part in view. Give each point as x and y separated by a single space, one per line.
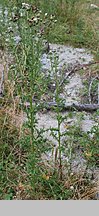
23 173
16 170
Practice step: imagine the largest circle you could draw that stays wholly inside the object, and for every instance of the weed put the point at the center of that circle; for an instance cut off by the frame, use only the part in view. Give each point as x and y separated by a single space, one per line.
23 174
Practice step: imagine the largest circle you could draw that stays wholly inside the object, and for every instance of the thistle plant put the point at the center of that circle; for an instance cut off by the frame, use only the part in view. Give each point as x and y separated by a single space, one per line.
56 132
27 74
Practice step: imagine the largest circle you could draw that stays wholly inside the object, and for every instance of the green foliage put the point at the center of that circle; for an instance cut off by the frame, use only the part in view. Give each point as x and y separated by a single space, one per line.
91 146
23 174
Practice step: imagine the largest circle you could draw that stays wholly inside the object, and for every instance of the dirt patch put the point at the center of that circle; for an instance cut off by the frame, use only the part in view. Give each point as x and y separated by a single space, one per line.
66 56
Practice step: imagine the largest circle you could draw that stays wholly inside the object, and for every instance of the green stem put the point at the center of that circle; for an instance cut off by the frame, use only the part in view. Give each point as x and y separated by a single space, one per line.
59 144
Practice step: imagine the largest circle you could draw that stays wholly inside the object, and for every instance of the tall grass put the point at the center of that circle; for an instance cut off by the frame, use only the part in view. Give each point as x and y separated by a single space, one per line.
23 174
